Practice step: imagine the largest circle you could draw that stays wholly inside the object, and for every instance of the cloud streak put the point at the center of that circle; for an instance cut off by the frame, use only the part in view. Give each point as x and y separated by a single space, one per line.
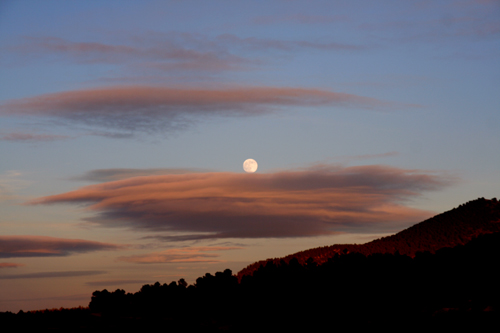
9 265
298 18
176 51
108 283
322 200
156 109
106 175
43 246
182 255
30 138
38 275
265 44
166 53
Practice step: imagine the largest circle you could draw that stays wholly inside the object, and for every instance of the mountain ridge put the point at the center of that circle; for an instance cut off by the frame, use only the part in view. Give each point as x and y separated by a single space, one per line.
448 229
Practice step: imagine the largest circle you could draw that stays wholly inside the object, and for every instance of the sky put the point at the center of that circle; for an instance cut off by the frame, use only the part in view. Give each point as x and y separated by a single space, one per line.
124 126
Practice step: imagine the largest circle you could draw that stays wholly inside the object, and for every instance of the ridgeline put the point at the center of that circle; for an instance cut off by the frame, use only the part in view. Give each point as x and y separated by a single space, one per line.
455 227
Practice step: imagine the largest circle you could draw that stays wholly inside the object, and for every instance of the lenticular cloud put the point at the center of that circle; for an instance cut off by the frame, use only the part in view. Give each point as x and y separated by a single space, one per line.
44 246
155 109
319 201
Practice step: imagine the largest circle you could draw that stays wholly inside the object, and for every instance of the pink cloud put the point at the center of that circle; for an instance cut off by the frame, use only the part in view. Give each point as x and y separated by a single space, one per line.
10 265
58 274
176 51
166 54
318 201
181 255
156 109
43 246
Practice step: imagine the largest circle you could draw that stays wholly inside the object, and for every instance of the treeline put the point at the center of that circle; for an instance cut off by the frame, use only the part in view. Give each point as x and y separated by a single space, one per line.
455 227
453 288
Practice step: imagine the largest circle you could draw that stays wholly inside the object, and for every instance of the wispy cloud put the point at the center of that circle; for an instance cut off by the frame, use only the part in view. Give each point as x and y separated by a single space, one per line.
181 255
299 18
43 246
10 265
318 201
265 44
176 51
172 52
64 274
156 109
106 175
464 21
108 283
30 137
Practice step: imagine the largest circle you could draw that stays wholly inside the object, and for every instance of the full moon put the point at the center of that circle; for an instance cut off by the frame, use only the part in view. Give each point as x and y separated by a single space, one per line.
250 165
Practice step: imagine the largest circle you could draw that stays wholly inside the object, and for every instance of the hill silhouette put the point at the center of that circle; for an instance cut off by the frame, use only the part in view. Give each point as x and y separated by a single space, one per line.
455 227
453 287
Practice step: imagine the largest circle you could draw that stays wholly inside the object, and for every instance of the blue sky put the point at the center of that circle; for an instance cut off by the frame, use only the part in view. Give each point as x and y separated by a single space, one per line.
365 117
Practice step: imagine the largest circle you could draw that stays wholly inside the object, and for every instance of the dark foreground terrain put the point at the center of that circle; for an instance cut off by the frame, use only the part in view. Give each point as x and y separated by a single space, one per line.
452 288
455 227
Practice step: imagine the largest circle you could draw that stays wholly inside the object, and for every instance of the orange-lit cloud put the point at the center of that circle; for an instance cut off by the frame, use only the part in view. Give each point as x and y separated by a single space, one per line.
181 255
108 283
10 265
317 201
43 246
156 109
62 274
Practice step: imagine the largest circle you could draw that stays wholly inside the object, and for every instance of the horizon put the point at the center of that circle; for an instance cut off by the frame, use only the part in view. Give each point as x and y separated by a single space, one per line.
124 128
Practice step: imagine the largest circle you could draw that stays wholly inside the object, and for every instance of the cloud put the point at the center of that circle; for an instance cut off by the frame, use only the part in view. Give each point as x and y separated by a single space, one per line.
106 175
264 44
171 52
299 18
108 283
156 109
43 246
182 255
175 51
459 23
29 137
322 200
74 297
10 265
64 274
346 159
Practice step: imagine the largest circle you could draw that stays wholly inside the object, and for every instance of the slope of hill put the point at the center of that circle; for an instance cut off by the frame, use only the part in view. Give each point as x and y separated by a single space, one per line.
455 227
455 289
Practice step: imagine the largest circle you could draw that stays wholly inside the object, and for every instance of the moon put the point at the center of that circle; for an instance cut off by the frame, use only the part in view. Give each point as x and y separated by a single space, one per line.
250 165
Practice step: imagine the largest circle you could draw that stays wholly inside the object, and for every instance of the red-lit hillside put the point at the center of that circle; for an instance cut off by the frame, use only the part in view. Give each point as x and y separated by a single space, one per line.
454 227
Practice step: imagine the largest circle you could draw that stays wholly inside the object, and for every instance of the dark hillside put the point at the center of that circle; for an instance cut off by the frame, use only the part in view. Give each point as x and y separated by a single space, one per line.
452 289
435 283
455 227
